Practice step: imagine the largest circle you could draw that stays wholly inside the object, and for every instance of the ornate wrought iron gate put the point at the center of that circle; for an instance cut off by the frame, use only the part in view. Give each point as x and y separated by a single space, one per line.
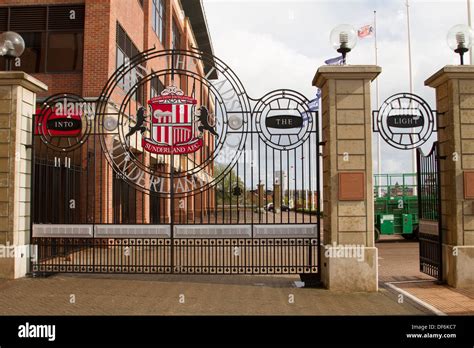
193 178
430 230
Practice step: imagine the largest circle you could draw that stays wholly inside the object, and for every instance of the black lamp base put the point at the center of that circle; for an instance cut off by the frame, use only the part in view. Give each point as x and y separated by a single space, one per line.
461 51
344 51
9 63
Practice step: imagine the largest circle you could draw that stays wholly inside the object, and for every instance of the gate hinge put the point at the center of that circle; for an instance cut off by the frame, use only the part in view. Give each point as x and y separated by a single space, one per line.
28 146
442 157
322 143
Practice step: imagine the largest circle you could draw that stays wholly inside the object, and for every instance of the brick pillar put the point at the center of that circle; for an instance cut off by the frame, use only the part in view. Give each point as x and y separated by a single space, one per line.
17 106
455 98
347 178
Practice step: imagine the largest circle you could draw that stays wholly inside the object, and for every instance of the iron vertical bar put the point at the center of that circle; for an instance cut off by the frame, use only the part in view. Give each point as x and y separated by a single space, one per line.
420 200
273 182
303 188
440 213
280 179
296 186
32 190
266 185
318 197
172 210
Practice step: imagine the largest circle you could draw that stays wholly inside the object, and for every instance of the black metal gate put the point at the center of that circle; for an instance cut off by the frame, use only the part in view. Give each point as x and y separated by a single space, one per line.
236 190
429 198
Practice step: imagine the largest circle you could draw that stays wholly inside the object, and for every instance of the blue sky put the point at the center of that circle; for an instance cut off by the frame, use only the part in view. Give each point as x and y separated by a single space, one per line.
280 44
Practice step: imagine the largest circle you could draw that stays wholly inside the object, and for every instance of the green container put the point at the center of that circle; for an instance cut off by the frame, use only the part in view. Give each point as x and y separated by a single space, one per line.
407 223
387 224
396 205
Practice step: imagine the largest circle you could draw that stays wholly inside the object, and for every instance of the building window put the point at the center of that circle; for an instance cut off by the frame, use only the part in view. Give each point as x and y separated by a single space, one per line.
125 51
156 87
158 18
54 38
32 59
63 52
176 40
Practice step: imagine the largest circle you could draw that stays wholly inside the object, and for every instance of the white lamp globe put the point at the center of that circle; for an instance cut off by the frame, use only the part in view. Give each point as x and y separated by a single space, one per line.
459 36
11 44
343 36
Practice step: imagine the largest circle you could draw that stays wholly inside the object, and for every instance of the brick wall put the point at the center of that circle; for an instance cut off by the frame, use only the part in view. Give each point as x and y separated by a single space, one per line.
99 62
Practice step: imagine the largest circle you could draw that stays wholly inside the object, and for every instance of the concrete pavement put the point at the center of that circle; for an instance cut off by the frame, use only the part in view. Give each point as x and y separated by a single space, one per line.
103 294
186 295
399 266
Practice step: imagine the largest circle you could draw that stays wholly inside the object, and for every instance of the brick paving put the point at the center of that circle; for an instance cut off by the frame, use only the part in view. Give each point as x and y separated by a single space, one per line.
399 260
233 295
448 300
399 263
211 295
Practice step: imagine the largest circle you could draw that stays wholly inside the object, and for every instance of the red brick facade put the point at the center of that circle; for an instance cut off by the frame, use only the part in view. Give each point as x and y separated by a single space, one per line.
101 17
99 63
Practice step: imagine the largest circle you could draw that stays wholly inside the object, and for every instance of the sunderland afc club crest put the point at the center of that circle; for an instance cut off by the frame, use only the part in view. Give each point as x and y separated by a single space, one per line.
176 126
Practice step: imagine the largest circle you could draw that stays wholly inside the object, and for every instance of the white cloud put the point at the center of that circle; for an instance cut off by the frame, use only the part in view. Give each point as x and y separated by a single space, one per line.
280 44
264 64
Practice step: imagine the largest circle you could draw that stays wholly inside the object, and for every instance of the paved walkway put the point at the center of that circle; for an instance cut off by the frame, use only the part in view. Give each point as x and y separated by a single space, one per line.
233 295
211 295
399 265
399 260
448 300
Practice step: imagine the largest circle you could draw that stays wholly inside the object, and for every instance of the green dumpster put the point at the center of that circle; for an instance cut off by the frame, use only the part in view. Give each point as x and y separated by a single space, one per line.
395 205
407 223
387 223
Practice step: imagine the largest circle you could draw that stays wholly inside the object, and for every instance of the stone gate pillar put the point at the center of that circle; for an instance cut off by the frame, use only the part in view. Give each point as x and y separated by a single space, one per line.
455 102
17 106
349 257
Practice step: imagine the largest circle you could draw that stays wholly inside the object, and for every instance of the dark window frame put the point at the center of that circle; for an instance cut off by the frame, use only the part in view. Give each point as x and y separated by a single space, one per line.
175 33
156 86
128 49
45 31
158 10
77 49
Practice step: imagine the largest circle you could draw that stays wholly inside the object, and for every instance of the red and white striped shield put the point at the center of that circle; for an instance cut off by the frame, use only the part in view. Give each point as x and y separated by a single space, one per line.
172 127
172 123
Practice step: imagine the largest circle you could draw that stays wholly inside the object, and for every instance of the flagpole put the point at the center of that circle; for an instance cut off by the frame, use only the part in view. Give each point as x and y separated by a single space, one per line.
469 23
410 73
379 152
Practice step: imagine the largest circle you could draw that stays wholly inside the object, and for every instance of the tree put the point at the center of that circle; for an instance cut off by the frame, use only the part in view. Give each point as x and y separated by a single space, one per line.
228 187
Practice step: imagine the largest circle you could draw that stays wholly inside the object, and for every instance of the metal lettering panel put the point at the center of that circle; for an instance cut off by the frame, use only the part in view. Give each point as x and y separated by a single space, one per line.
62 231
285 231
213 231
132 231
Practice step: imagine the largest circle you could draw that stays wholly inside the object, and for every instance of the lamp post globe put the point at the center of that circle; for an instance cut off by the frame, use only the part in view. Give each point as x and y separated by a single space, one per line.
343 38
459 40
12 46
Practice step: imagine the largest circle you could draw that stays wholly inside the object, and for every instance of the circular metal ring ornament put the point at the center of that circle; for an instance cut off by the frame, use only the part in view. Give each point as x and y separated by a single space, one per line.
186 126
110 123
405 121
235 122
63 122
283 119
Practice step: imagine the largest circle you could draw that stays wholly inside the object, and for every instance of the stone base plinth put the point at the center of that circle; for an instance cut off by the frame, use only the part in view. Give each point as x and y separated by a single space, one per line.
458 265
354 273
17 106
